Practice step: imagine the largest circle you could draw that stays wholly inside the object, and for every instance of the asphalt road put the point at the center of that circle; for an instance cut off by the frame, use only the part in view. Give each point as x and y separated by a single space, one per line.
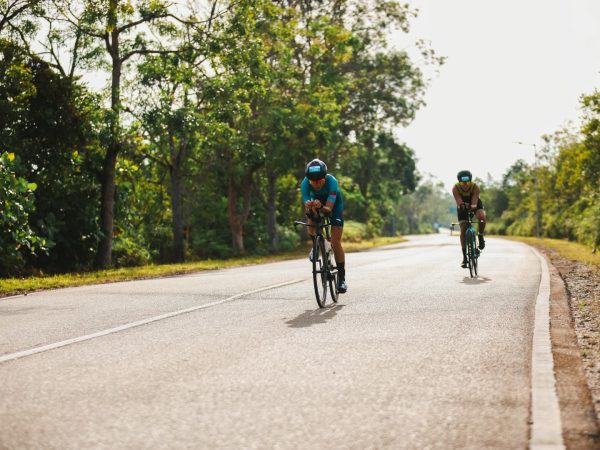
415 355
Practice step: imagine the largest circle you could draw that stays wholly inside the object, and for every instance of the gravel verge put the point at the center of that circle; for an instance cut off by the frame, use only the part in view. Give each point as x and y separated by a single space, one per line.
582 282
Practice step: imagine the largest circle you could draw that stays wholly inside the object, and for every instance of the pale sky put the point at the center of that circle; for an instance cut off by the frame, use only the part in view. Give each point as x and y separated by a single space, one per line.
515 70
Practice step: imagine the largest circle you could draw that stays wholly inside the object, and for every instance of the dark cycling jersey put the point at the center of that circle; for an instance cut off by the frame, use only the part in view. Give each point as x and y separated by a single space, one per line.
466 196
330 192
468 193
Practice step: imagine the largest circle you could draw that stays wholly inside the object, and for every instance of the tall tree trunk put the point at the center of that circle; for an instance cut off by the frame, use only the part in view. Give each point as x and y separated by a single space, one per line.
235 224
272 212
177 156
107 207
237 219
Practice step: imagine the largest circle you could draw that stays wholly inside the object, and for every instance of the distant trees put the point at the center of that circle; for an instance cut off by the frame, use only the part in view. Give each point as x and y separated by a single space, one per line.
568 180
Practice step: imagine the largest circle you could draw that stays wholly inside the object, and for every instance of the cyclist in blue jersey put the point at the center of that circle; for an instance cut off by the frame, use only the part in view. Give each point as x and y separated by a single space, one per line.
466 194
320 191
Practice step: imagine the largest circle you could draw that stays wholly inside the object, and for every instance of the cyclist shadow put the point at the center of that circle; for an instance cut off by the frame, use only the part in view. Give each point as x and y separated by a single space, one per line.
314 317
478 280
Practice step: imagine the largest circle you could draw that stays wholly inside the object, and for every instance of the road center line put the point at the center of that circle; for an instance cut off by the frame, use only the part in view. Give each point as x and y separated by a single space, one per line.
546 428
87 337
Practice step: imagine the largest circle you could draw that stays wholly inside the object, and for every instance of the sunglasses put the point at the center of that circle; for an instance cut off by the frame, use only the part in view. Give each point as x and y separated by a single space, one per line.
465 179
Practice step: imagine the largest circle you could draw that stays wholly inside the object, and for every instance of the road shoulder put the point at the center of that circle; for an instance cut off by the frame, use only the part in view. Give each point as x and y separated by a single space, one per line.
578 416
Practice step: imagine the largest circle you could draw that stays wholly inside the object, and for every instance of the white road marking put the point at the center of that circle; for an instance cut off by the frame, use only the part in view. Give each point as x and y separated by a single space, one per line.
87 337
546 428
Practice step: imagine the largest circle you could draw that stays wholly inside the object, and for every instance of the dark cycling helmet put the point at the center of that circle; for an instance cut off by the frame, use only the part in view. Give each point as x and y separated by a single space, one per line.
316 170
464 175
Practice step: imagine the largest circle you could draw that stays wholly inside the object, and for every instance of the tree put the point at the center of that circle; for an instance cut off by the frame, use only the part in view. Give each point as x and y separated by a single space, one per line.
117 30
47 121
16 205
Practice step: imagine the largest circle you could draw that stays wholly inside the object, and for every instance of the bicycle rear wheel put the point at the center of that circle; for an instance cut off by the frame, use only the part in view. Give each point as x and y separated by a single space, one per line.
320 271
333 279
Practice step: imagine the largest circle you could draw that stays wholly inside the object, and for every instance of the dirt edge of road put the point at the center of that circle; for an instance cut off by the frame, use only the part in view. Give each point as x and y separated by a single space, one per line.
578 416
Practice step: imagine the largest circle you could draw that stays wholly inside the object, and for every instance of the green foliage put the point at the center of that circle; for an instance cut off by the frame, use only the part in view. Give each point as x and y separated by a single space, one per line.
355 231
218 116
128 252
562 188
16 205
426 209
288 238
49 123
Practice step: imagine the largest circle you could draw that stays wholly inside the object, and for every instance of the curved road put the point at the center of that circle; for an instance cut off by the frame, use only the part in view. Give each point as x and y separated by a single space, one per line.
415 355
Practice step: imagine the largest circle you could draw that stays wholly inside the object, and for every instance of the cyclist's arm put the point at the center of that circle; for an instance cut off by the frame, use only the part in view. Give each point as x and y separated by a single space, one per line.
475 197
332 197
457 198
307 201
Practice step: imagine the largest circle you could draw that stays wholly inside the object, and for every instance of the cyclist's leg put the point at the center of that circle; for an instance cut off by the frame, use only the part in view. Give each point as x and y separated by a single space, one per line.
312 233
463 243
463 218
336 244
480 214
337 229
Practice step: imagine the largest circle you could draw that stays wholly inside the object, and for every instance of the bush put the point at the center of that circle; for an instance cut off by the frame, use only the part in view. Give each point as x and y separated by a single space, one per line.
209 243
16 204
128 253
354 231
289 239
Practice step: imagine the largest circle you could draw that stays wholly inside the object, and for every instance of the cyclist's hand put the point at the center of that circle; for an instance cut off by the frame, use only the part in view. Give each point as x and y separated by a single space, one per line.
462 206
317 204
473 207
311 215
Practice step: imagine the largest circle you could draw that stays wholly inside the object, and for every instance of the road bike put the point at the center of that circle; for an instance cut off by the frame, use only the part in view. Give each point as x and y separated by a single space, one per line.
473 252
325 273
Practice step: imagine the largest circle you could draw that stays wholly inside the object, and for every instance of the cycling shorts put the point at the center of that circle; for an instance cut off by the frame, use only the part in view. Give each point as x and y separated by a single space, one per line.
463 215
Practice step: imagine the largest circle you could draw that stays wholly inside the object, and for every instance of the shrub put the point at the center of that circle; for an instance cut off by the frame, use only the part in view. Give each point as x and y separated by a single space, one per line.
354 231
289 239
128 253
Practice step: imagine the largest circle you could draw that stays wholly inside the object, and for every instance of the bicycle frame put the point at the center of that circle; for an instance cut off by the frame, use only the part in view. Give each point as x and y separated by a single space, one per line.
470 243
324 271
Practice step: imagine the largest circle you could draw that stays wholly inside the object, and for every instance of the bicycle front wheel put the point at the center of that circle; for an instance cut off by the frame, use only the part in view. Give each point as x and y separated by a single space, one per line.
470 236
320 271
475 256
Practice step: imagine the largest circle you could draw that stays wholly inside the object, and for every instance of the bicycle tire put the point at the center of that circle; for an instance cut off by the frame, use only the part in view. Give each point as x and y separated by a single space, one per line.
475 255
470 236
320 271
332 276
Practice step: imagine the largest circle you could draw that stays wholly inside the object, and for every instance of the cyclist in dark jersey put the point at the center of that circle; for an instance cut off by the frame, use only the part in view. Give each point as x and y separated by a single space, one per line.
466 194
320 191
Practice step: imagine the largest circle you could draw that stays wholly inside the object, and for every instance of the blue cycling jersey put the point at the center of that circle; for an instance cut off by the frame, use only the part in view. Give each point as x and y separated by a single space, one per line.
330 192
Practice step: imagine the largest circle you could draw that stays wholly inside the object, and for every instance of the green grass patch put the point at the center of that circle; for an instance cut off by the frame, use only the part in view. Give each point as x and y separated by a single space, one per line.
14 286
568 249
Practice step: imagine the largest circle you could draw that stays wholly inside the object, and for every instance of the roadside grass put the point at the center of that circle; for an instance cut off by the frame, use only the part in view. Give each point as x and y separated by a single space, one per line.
568 249
16 286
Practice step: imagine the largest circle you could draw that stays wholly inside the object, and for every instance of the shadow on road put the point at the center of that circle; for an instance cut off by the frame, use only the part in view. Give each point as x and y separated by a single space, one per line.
314 317
478 280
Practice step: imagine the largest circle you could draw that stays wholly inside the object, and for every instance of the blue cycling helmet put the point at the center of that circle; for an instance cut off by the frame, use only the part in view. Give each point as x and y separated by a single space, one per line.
316 170
464 175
